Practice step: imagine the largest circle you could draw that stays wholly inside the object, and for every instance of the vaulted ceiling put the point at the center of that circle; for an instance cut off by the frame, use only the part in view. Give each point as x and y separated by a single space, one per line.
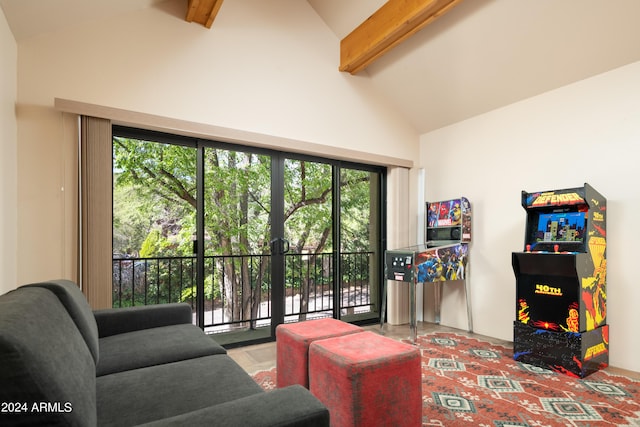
479 56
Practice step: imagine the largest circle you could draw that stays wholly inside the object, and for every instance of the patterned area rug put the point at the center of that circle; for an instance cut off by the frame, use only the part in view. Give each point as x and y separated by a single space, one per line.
468 382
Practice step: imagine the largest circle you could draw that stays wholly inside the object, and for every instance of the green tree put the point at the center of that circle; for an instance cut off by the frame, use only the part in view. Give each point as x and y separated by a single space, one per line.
237 220
237 191
308 204
154 191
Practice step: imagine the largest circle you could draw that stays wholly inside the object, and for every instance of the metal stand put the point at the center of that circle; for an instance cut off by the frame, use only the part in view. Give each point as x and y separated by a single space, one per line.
438 301
467 296
413 324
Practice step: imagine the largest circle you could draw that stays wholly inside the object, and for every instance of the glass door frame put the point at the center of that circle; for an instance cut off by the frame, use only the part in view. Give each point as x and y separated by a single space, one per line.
278 273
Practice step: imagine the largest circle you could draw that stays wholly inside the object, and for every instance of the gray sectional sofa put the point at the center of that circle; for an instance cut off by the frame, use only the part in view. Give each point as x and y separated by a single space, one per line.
63 364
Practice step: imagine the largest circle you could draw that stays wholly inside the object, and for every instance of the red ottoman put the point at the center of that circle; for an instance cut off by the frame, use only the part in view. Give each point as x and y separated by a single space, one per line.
292 347
367 380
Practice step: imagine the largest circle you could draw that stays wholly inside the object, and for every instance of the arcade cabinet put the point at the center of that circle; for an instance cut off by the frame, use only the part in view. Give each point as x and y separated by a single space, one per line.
443 257
561 282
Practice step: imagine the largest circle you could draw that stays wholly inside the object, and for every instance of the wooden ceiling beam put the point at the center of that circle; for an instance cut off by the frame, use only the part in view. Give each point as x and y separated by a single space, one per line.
203 11
394 22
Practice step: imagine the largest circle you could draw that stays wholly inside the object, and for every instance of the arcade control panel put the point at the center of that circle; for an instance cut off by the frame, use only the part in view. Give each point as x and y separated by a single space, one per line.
400 265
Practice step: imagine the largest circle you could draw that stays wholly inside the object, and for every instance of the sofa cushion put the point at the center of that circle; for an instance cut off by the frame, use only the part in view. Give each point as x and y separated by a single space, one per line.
156 392
114 321
76 304
154 346
292 406
44 360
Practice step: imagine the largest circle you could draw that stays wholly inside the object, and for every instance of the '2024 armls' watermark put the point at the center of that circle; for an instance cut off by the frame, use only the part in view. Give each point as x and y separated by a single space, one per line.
35 407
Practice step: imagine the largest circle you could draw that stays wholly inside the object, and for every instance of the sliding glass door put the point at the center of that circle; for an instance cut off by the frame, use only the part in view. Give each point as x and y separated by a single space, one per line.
361 236
235 231
308 229
250 238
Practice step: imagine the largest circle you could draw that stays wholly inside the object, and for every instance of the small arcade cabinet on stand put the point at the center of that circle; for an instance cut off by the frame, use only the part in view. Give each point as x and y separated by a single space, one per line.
442 258
561 282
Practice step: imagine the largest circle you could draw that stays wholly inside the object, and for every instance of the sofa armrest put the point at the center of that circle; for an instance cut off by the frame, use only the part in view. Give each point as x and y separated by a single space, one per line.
293 406
113 321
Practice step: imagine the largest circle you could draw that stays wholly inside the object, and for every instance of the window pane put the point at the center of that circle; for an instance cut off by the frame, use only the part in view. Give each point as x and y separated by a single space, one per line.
309 230
360 240
154 205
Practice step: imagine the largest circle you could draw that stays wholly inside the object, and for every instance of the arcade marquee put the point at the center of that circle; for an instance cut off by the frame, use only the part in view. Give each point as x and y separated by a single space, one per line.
561 298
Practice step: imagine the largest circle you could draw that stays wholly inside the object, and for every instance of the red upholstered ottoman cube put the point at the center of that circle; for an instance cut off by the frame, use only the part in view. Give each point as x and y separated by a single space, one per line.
367 380
292 347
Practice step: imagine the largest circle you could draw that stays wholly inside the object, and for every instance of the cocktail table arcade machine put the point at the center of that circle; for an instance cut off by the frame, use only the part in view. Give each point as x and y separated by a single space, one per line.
442 258
561 293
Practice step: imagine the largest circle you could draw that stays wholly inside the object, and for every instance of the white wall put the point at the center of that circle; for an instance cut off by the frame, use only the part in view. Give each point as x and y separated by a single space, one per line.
8 157
47 194
265 67
584 132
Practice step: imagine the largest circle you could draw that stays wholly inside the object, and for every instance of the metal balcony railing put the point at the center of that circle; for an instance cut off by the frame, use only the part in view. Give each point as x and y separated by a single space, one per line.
237 289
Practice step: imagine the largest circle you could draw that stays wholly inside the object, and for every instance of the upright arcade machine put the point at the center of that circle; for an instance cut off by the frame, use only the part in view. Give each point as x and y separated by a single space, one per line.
443 257
561 297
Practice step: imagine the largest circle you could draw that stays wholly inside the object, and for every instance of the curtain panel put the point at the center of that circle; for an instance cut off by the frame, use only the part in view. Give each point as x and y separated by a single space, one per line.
96 211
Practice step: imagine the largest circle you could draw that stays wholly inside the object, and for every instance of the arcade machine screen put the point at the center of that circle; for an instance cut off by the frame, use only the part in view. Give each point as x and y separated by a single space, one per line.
565 229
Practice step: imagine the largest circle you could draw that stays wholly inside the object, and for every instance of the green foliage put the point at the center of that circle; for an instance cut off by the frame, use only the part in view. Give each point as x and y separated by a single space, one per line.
189 294
154 197
237 203
308 204
356 216
130 222
149 247
155 213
